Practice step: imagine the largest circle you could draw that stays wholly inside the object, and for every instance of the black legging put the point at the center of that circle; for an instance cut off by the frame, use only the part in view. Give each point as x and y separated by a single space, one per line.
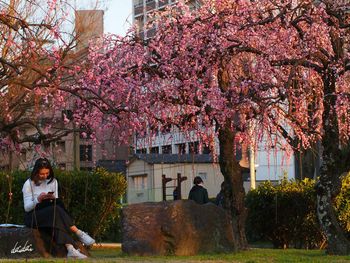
54 217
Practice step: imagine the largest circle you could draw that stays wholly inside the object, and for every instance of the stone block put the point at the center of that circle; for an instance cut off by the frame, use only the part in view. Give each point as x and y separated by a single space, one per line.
175 228
23 242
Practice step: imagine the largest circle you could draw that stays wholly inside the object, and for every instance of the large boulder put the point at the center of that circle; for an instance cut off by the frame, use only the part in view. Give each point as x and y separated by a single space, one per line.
175 228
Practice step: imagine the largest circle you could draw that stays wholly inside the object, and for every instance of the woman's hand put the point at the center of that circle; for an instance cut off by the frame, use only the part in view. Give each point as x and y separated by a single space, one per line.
44 196
51 195
41 197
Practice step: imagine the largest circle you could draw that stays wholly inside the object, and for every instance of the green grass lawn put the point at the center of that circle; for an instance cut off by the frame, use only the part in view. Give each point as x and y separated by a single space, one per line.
253 255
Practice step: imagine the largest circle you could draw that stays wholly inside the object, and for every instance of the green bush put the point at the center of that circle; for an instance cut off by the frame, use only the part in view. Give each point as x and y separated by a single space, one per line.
11 209
284 214
92 198
343 203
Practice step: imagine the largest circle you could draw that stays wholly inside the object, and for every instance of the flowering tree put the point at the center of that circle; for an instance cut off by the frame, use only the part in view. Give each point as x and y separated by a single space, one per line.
251 69
36 45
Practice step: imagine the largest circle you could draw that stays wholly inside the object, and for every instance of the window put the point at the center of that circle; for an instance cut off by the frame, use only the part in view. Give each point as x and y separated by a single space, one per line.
138 7
86 153
138 2
202 175
142 150
154 150
206 149
181 148
193 147
166 149
150 5
60 146
140 182
62 166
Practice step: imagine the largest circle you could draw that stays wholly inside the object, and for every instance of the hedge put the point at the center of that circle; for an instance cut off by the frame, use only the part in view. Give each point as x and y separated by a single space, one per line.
285 214
92 198
343 203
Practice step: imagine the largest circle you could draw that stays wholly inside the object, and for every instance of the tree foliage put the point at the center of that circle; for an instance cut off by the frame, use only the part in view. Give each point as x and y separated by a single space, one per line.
37 60
261 70
284 214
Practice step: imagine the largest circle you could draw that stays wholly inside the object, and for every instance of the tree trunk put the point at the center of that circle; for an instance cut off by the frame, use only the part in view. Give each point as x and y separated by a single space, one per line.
306 161
329 183
234 191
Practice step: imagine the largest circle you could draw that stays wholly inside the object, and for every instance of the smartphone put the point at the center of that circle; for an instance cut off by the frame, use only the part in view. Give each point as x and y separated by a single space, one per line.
50 193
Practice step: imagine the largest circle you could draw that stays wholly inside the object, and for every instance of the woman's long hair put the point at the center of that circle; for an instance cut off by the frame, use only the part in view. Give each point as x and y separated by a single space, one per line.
41 163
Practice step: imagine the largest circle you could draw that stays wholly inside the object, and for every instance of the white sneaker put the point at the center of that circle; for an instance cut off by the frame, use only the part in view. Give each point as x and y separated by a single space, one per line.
85 238
75 253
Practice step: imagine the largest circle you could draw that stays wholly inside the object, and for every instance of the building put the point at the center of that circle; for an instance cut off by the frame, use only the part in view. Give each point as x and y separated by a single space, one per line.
144 175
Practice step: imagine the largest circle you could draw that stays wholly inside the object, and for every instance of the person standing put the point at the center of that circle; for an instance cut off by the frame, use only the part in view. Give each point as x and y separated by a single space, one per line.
43 209
198 193
176 194
219 200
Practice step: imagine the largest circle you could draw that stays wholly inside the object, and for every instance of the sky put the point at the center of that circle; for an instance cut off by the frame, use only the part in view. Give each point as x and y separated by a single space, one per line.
118 16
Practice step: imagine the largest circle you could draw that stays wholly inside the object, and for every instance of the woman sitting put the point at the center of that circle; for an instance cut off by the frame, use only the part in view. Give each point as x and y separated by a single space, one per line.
45 211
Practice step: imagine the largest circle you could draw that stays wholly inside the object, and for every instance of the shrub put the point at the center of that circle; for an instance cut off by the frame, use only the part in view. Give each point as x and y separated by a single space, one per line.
343 203
92 198
284 214
11 207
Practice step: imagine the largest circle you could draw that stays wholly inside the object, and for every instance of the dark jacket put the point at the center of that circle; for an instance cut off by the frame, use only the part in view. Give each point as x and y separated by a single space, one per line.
219 200
199 194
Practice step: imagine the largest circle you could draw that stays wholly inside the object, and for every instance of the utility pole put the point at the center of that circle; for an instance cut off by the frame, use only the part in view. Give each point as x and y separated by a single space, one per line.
252 167
180 179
